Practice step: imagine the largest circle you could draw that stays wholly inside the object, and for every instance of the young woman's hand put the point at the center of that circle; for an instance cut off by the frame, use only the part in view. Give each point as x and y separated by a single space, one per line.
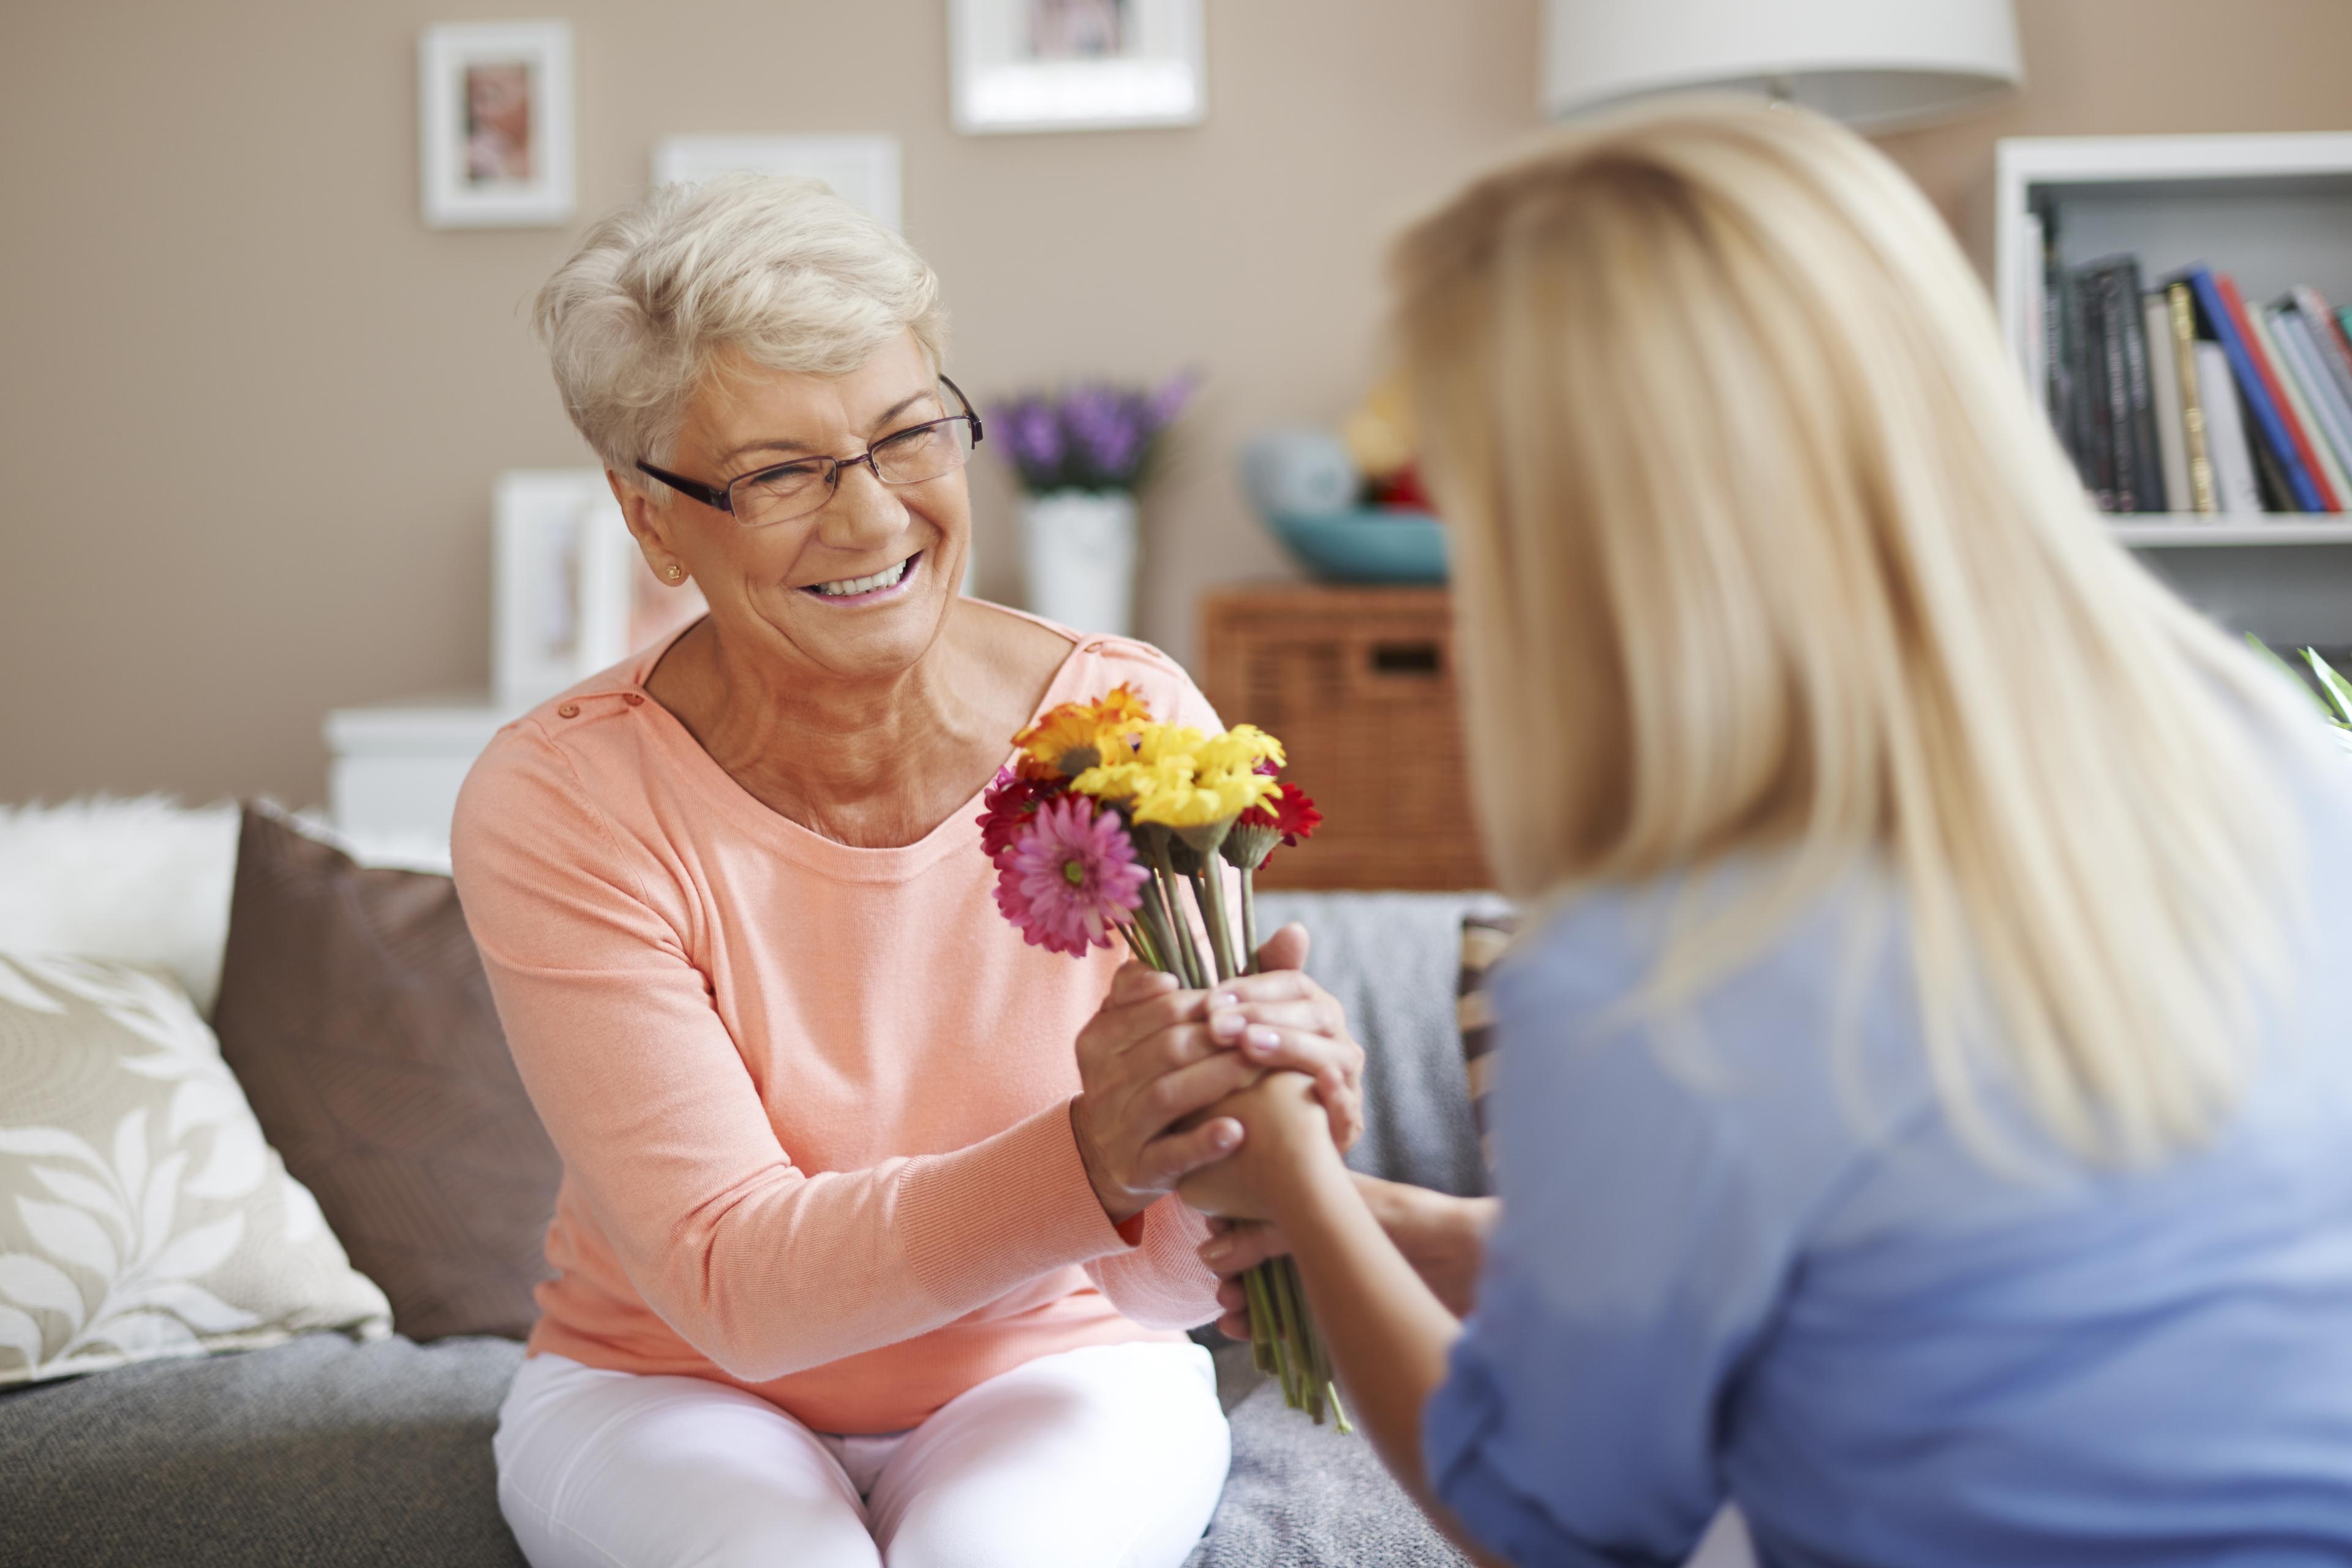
1153 1059
1443 1238
1283 1125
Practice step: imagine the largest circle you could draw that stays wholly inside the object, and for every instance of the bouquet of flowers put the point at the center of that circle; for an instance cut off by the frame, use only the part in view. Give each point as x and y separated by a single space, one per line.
1113 823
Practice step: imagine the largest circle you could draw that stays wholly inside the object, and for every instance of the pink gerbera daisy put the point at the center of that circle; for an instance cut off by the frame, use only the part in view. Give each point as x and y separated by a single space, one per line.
1069 876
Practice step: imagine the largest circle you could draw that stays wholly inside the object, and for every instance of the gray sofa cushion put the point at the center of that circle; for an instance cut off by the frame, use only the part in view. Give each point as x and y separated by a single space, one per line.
323 1451
1301 1496
317 1451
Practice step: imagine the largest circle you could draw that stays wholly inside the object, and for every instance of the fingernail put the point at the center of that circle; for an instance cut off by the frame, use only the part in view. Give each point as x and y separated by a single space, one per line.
1217 1252
1225 999
1263 1040
1225 1026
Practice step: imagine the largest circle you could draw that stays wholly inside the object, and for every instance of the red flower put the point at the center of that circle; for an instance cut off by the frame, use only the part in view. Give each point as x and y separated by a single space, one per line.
1008 806
1290 814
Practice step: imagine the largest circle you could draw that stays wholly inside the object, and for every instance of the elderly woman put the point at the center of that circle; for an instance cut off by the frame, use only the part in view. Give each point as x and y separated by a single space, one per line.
863 1251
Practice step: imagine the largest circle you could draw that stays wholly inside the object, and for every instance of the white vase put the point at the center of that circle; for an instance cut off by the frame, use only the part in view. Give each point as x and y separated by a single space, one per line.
1077 548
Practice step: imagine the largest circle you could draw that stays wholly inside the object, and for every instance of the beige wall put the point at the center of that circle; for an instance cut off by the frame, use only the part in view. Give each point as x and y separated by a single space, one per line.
250 407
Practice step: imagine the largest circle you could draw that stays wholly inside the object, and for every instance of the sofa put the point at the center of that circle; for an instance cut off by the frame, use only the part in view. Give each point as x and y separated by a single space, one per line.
341 1447
334 1448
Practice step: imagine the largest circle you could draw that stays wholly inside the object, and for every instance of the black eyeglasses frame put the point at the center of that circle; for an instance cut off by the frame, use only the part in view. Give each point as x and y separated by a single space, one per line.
719 498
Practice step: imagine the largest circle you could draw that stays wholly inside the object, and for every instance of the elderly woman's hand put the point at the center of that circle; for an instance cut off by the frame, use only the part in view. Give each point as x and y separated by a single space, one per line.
1150 1060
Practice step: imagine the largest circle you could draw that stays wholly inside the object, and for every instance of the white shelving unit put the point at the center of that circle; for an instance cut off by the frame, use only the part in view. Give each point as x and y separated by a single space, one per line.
2271 210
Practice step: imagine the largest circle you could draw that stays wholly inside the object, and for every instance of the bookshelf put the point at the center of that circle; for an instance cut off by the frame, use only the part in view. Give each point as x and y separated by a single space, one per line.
2273 210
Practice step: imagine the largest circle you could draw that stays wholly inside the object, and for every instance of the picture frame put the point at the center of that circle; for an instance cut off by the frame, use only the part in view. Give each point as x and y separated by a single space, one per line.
862 169
496 137
571 592
1075 65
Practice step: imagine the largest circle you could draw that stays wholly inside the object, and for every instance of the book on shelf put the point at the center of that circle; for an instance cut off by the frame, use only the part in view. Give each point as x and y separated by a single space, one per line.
2326 472
2182 320
2319 391
2235 492
2164 378
2266 394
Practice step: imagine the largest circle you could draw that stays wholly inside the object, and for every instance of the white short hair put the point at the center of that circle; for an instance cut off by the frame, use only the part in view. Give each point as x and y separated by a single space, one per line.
781 271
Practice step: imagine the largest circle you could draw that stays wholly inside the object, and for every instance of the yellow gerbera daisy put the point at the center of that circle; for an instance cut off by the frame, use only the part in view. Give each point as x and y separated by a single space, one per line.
1204 799
1240 750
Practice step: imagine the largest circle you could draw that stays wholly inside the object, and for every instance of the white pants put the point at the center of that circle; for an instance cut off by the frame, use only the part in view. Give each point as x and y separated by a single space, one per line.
1109 1457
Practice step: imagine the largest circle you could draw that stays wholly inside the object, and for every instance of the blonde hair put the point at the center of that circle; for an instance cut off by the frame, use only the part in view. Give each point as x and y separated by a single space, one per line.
781 271
1762 545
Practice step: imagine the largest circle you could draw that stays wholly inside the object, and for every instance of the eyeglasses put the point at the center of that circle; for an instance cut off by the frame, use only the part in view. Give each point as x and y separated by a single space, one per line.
778 494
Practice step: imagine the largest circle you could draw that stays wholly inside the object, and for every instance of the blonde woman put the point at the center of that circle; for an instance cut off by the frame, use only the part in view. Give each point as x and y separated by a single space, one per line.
1926 1106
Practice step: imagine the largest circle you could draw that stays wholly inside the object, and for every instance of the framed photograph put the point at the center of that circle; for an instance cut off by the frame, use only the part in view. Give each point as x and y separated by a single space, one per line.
860 168
1075 65
572 592
494 112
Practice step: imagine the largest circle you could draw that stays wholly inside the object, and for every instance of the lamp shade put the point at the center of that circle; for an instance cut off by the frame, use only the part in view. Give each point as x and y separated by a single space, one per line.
1873 64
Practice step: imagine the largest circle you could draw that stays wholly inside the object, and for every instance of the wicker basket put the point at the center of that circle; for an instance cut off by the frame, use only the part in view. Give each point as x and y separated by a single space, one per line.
1359 683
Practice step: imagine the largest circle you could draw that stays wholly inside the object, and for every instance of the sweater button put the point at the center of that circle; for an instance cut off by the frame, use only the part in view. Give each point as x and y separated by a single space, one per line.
569 710
634 699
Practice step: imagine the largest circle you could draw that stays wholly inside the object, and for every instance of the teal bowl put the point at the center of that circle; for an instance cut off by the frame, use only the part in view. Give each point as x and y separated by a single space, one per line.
1371 544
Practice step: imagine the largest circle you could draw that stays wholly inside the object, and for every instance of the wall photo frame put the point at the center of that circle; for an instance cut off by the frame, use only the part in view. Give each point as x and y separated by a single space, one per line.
1075 65
862 169
494 106
572 592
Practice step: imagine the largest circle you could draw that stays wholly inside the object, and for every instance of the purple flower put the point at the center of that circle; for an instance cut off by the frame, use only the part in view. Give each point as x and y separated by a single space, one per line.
1107 426
1069 876
1092 435
1034 434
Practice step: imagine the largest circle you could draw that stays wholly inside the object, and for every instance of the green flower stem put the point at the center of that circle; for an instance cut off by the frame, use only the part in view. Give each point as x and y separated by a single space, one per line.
1208 887
1138 940
1261 1320
1221 920
1195 975
1285 1361
1295 1330
1249 920
1152 915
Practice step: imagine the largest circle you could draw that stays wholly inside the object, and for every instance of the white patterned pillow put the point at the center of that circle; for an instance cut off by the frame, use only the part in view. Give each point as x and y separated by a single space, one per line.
141 1215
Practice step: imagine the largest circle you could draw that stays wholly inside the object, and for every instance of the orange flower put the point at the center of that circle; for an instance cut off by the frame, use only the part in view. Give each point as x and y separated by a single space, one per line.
1077 736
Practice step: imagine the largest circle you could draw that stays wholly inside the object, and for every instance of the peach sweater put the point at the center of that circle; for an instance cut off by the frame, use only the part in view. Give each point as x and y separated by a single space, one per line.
812 1099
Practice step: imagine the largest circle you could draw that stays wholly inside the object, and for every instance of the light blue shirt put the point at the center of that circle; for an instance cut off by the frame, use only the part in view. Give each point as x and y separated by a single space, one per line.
1886 1353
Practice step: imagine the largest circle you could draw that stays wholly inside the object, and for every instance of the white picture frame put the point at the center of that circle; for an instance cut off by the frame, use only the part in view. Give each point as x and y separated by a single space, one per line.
495 138
572 593
1075 65
862 169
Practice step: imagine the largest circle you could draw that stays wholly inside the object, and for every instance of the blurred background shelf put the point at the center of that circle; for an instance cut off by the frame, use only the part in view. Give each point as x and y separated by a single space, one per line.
2163 531
2272 209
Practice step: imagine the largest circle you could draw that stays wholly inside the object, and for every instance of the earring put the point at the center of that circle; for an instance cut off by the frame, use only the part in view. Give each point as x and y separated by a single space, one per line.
676 572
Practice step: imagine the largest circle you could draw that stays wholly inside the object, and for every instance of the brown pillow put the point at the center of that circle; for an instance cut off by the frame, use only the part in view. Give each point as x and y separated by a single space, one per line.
1484 939
354 1012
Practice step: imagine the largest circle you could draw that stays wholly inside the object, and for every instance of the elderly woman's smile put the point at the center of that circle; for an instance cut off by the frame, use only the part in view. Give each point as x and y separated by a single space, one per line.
847 518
